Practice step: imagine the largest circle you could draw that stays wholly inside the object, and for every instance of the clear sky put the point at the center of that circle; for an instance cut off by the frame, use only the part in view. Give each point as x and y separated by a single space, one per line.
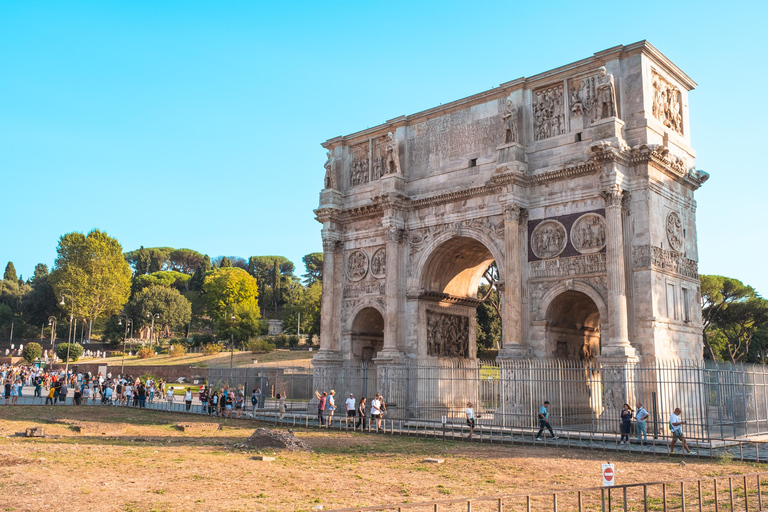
198 124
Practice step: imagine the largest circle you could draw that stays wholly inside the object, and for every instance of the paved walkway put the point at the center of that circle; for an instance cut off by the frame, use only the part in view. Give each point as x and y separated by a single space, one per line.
755 451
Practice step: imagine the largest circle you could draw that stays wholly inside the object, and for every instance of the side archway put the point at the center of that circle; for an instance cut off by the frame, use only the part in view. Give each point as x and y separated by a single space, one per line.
366 331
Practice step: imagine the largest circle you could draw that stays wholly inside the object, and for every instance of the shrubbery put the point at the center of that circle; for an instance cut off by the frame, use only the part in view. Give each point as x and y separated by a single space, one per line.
32 351
177 350
145 353
211 349
260 346
75 351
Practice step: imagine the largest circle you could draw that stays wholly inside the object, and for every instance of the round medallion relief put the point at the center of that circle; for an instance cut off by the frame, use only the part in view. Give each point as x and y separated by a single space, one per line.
379 263
357 265
588 233
548 239
675 231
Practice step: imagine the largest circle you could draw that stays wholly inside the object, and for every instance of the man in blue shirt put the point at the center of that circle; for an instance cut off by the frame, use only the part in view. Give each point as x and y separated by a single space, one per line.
544 422
641 415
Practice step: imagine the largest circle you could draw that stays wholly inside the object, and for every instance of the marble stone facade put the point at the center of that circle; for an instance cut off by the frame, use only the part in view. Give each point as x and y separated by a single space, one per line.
578 182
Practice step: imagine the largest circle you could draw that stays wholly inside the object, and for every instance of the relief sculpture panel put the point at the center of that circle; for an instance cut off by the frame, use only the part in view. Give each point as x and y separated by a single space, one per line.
379 263
447 335
548 239
588 233
357 265
675 231
548 113
358 169
667 103
573 266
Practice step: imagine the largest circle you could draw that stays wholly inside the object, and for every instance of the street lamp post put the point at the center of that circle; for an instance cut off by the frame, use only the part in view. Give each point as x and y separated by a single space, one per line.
128 321
71 318
152 328
52 323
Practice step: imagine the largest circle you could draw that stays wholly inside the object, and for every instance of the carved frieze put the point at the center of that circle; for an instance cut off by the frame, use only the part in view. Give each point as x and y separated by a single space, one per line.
379 262
573 266
368 286
548 113
357 265
548 239
359 171
451 136
447 335
667 103
588 233
675 231
645 256
536 292
378 155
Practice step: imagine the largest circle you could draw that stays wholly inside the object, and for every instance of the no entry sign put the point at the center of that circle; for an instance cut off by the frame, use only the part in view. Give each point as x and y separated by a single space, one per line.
608 475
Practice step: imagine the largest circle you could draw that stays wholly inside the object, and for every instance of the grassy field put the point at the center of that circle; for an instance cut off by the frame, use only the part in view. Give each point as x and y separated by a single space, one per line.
300 357
139 462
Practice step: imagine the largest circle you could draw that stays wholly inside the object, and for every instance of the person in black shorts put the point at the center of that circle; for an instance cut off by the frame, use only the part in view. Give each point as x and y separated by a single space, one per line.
351 409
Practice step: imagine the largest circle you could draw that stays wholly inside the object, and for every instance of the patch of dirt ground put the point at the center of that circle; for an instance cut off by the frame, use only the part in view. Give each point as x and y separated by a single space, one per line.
153 466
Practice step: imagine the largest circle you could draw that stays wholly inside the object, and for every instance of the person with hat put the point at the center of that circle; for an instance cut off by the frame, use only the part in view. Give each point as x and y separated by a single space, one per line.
351 411
331 406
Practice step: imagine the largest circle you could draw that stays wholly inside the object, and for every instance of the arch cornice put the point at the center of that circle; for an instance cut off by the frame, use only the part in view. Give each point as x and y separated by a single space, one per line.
576 286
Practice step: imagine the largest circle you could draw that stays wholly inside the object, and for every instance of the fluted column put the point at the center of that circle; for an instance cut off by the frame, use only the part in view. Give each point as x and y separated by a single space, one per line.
511 291
328 315
395 291
617 344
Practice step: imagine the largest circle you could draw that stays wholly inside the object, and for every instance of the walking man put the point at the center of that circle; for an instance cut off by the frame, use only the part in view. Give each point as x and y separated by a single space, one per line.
640 416
544 421
676 424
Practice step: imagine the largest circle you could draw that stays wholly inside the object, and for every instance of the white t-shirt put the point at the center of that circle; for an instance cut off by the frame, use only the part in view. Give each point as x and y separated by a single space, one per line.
350 404
331 402
170 395
188 396
470 413
674 418
375 407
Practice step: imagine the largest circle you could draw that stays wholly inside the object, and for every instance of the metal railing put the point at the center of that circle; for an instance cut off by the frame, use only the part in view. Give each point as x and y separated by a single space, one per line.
743 492
718 400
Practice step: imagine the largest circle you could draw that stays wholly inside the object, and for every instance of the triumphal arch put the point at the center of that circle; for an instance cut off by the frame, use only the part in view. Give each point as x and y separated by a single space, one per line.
577 182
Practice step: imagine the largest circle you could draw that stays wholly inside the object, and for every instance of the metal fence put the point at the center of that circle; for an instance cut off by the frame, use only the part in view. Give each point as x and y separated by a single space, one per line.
731 493
717 400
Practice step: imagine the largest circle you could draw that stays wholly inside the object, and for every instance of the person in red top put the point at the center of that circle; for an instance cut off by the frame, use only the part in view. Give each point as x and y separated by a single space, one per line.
321 406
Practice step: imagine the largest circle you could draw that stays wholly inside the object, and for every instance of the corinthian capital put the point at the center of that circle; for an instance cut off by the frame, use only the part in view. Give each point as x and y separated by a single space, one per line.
613 196
332 241
514 213
396 234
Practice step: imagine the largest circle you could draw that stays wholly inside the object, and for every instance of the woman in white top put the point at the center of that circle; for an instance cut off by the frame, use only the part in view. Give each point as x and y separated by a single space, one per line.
470 413
281 405
169 397
188 398
128 392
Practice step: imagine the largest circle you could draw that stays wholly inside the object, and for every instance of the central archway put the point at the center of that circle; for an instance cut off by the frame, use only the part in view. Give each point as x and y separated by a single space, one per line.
448 297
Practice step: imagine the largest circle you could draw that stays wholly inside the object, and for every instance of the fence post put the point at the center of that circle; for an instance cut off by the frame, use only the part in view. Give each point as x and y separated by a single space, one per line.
717 505
682 495
746 496
645 498
730 491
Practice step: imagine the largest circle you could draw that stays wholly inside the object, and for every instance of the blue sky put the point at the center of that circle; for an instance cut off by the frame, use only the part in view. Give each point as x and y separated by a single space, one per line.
198 124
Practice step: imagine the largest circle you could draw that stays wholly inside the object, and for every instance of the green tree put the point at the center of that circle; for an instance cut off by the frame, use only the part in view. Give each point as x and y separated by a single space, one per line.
174 309
305 301
718 293
184 260
739 322
75 351
229 290
94 269
313 262
224 262
32 351
142 261
41 301
41 270
197 281
488 325
10 273
167 278
272 273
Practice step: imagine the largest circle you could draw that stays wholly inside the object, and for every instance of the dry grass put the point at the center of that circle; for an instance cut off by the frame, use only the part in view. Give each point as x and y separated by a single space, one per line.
142 462
300 357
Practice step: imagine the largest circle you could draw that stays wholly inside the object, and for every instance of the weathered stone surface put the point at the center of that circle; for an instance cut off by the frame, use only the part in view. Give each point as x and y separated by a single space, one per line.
35 432
431 460
264 458
271 438
578 183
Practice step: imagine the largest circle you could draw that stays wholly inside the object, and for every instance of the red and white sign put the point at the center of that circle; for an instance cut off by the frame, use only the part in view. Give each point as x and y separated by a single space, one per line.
608 475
